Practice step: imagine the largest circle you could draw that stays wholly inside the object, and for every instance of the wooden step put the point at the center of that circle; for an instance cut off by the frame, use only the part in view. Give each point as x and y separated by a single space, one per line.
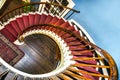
37 18
15 26
31 18
70 39
25 21
83 53
65 25
54 20
12 31
59 22
77 48
48 19
20 23
84 59
8 35
54 78
42 19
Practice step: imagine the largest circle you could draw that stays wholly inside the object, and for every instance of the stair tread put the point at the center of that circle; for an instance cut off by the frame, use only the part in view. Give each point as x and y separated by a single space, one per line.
59 22
48 19
8 35
20 23
42 19
65 25
54 20
15 26
31 19
74 43
37 18
12 31
77 48
70 39
25 21
89 61
78 53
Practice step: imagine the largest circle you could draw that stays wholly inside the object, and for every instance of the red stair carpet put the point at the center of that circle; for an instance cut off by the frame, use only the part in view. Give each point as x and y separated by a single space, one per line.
78 49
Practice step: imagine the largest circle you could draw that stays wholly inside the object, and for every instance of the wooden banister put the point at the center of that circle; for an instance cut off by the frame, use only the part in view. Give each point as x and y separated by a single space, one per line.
96 49
34 3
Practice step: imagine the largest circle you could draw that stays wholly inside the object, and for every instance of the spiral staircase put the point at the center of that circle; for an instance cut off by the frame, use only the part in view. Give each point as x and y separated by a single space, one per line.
80 58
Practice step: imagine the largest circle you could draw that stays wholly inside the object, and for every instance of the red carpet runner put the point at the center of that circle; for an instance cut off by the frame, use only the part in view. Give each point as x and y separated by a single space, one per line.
84 69
9 52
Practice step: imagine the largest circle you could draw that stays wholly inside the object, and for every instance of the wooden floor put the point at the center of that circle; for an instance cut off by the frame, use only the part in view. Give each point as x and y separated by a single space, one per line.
42 55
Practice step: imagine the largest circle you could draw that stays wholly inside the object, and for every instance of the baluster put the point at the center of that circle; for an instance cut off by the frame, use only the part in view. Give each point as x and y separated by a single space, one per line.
0 64
19 11
37 7
4 74
70 15
15 77
41 8
1 25
25 78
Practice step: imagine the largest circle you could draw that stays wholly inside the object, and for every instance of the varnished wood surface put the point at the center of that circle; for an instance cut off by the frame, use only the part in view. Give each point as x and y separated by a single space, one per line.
41 55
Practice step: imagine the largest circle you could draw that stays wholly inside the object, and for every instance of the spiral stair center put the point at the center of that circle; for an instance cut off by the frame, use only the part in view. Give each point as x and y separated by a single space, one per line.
42 54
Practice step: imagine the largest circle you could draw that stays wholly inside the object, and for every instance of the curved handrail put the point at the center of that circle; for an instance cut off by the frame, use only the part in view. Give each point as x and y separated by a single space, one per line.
113 68
110 60
112 65
35 3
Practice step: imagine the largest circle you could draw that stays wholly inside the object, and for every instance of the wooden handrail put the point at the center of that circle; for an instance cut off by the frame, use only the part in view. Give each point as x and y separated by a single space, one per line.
64 77
108 58
34 3
112 66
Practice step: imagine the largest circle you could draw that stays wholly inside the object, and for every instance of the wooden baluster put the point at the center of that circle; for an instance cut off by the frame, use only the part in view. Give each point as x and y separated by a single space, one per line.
77 76
15 77
99 58
4 74
0 64
25 78
65 77
89 65
54 78
85 72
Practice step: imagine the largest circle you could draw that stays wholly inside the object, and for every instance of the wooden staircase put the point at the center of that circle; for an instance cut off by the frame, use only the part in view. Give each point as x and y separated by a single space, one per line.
81 59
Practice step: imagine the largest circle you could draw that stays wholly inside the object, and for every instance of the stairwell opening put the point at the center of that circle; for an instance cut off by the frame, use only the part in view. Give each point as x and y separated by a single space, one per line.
42 55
